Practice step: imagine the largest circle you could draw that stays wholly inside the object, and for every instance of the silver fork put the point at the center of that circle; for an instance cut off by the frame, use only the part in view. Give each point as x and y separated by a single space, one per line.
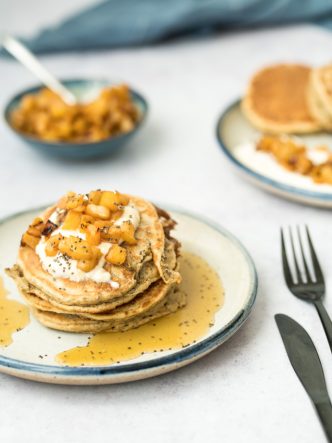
306 286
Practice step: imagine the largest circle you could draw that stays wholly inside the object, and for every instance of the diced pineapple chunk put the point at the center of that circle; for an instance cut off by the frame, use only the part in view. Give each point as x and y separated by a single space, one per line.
128 233
98 211
51 248
94 197
86 220
76 248
36 227
74 200
117 214
88 265
34 231
38 224
113 200
96 252
116 255
113 234
72 221
29 240
93 236
103 227
80 208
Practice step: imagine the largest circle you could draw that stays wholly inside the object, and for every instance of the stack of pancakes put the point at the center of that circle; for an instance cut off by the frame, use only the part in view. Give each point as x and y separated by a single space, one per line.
290 98
144 287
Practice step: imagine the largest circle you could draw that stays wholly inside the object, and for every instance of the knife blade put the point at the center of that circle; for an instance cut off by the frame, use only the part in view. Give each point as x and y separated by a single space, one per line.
306 363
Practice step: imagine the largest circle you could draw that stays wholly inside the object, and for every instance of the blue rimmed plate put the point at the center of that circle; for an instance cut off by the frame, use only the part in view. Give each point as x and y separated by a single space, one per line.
81 150
200 236
236 137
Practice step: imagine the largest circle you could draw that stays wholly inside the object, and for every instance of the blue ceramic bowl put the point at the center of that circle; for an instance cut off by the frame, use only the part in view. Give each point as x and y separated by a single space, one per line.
78 150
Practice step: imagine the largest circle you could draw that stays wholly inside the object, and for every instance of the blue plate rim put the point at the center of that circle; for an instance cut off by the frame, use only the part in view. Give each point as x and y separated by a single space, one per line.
317 196
181 356
65 145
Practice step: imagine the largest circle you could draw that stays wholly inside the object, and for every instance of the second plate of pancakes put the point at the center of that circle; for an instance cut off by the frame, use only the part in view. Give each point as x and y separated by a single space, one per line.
237 139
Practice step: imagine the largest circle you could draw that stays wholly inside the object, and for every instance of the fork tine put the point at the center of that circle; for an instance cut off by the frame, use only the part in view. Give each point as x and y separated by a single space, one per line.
285 265
297 269
308 276
315 262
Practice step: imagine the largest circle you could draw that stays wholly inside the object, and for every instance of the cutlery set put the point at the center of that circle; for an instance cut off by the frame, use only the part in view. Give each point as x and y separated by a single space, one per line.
305 280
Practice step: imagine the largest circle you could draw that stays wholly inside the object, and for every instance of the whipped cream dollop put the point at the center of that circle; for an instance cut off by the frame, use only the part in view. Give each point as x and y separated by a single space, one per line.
62 266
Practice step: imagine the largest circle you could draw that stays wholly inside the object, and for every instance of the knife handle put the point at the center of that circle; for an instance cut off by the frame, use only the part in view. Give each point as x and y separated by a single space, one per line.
324 411
326 321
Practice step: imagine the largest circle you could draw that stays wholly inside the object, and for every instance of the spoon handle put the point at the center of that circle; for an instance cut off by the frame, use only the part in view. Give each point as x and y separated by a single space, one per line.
21 53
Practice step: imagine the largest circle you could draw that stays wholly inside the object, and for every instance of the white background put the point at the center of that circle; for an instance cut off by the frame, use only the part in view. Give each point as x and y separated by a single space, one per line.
245 391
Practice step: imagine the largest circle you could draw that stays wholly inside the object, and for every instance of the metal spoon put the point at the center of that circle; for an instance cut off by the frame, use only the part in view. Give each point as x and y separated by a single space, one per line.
22 54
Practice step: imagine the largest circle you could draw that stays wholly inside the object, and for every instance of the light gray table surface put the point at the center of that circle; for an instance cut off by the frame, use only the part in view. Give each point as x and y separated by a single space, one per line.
245 391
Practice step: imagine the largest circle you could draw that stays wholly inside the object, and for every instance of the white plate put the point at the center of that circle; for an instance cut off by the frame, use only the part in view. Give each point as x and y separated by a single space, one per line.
213 243
233 130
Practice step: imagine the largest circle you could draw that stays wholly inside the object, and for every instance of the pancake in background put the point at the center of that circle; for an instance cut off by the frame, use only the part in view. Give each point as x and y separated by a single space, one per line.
318 109
320 94
277 100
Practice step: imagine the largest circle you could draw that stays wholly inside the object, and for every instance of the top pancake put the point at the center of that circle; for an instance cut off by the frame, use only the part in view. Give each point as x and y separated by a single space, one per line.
150 247
277 100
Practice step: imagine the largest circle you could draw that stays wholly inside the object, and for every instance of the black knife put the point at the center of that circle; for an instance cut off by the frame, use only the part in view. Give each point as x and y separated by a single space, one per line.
304 358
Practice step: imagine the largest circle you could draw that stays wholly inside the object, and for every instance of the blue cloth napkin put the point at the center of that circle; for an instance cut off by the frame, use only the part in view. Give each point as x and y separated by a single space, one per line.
116 23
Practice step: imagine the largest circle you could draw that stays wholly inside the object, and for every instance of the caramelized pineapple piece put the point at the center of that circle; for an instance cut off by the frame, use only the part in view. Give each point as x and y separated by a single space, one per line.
113 200
72 220
74 200
93 236
86 220
104 227
76 248
98 211
117 214
88 265
128 233
34 231
29 240
36 227
113 234
116 255
51 248
38 224
80 208
94 197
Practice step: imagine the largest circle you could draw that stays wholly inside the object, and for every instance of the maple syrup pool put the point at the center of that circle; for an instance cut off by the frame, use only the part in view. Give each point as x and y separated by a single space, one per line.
205 296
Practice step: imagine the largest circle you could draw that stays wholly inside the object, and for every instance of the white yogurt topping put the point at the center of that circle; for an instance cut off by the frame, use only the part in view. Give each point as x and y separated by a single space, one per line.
317 156
265 164
130 213
65 267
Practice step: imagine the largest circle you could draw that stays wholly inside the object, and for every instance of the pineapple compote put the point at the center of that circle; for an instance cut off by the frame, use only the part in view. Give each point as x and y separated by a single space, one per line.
83 234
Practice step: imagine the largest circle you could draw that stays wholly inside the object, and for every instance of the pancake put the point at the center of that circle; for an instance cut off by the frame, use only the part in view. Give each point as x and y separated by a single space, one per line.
318 109
151 241
147 276
277 100
321 90
97 262
143 302
170 303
